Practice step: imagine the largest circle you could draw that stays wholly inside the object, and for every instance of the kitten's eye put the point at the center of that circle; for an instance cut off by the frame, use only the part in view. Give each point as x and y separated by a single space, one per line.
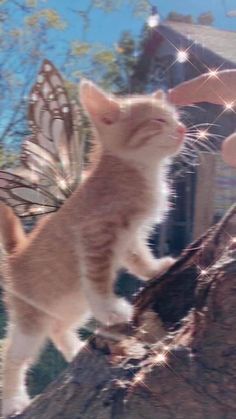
106 120
160 120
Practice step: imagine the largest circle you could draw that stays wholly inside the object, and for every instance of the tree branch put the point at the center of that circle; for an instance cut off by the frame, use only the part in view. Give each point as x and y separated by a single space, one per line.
186 374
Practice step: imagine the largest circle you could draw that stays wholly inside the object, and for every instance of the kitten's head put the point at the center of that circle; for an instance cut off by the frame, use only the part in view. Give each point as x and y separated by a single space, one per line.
140 127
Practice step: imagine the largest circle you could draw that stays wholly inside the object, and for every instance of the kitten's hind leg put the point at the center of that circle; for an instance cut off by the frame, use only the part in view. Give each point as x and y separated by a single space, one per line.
21 349
66 341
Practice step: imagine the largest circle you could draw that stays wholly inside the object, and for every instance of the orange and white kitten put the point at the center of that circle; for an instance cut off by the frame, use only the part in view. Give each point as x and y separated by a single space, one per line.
65 269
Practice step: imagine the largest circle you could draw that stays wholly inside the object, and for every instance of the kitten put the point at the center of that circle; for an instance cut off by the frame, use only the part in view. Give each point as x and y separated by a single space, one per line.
66 268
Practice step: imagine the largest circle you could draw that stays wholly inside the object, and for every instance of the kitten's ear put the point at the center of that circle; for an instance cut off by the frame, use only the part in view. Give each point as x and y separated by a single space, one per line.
100 106
160 94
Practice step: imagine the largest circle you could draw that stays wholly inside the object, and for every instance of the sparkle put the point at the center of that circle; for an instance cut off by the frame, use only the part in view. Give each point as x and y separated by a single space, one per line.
153 21
160 359
229 106
202 134
233 240
154 18
139 378
203 272
182 56
213 73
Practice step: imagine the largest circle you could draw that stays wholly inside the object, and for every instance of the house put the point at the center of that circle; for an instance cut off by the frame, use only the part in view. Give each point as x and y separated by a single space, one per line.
175 52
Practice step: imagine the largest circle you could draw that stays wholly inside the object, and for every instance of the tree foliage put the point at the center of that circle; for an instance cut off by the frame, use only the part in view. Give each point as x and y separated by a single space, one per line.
31 31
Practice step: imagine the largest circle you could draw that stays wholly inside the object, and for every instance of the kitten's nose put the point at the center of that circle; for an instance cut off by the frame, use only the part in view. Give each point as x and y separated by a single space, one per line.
181 129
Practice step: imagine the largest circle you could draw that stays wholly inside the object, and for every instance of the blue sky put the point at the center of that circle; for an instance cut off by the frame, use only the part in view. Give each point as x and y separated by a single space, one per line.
106 28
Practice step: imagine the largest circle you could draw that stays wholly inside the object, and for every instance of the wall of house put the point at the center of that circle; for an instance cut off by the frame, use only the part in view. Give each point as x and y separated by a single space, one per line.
191 207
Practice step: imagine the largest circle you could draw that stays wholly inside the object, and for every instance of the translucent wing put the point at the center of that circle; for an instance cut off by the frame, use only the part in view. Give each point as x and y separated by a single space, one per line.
55 148
52 154
26 197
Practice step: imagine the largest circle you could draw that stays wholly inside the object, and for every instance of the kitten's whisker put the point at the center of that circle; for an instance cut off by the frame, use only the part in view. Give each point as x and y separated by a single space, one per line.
202 145
209 124
202 126
189 152
193 106
194 131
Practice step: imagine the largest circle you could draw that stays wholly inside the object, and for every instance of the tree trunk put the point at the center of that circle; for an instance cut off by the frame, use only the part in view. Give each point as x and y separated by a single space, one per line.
177 360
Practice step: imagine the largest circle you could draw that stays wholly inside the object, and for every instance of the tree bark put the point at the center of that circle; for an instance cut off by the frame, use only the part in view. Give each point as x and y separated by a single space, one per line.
177 359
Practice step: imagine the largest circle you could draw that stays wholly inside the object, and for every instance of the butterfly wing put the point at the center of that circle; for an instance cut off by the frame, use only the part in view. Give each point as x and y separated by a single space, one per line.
52 154
26 197
55 148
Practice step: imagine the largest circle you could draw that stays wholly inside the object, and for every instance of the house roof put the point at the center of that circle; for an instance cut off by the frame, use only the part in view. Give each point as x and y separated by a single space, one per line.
220 42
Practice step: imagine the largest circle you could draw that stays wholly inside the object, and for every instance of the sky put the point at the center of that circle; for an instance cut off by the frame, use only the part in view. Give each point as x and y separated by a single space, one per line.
106 27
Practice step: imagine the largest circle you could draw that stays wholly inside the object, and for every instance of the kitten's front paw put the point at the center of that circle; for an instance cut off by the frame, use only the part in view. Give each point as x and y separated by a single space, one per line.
15 405
71 351
162 265
113 311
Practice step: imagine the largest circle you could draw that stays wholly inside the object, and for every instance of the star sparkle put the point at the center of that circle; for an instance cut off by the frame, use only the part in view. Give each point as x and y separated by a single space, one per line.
160 358
202 134
229 106
213 73
153 21
182 56
203 272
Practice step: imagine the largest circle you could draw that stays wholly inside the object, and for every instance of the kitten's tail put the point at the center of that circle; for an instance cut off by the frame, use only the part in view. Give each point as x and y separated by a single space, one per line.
12 234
